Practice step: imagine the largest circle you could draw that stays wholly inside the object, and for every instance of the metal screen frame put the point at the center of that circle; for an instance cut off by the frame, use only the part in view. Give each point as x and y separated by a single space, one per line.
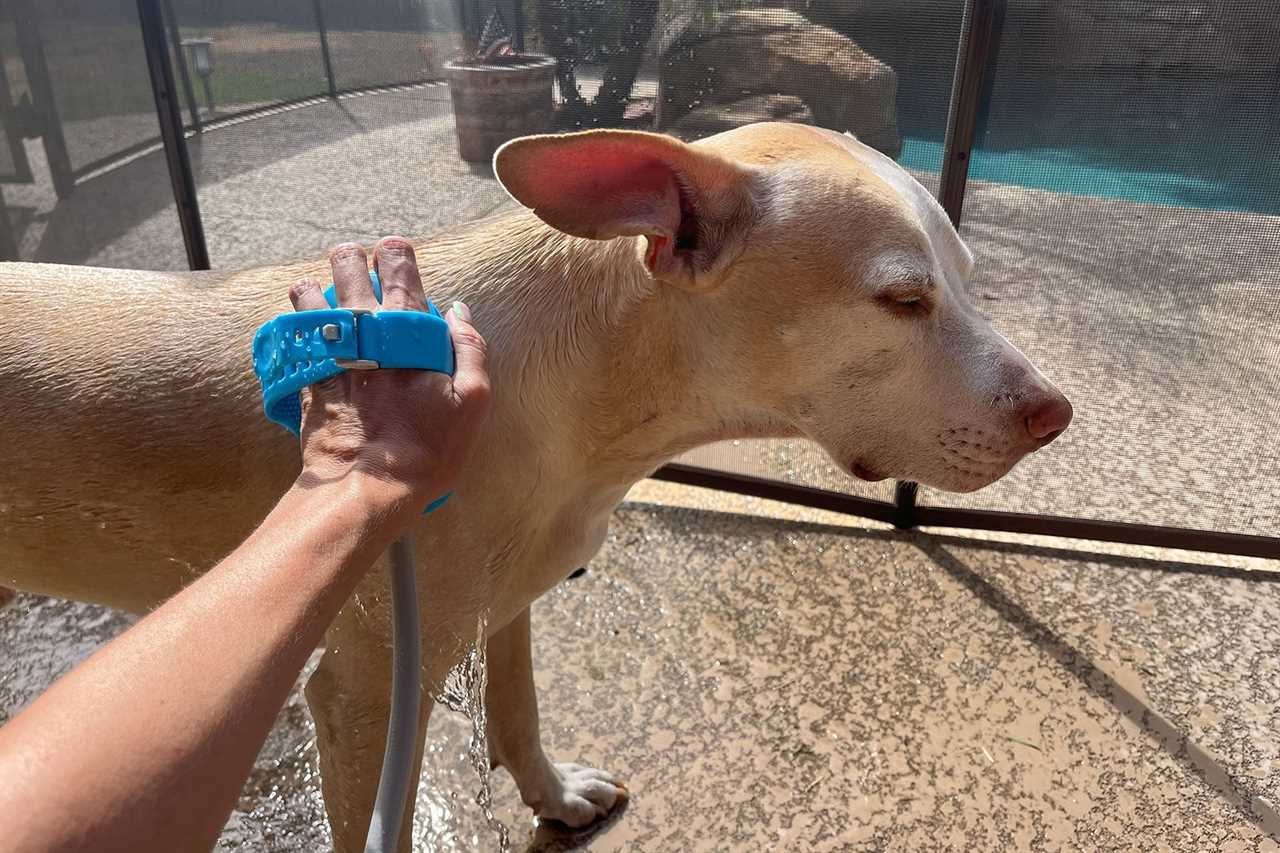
11 123
970 96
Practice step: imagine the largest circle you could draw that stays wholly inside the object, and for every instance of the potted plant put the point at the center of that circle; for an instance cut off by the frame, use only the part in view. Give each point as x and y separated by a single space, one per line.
498 93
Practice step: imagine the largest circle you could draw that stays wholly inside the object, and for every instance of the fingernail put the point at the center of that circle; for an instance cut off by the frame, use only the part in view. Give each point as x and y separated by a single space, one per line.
347 250
461 311
395 246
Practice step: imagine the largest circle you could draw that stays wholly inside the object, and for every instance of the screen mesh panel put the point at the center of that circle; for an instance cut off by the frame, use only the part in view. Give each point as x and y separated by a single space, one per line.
622 64
390 43
260 53
98 71
1123 199
79 69
1123 206
295 183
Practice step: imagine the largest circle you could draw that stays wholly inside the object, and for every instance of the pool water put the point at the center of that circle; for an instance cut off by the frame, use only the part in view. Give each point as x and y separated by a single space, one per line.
1241 185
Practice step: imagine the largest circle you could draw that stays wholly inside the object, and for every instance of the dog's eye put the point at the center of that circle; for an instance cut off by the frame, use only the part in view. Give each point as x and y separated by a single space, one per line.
908 304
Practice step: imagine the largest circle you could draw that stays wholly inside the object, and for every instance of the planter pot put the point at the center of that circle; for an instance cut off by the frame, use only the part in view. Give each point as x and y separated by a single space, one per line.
495 103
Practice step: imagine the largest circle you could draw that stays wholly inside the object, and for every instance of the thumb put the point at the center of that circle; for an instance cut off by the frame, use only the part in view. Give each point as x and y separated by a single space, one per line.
470 356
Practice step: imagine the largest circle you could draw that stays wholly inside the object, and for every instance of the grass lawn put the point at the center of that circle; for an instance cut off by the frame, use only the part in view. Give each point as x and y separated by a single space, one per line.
100 70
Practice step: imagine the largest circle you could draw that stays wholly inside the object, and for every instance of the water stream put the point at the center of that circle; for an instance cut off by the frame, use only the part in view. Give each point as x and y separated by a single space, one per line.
464 691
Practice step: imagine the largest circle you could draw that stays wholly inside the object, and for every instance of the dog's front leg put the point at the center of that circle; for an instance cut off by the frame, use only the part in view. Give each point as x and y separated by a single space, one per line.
569 793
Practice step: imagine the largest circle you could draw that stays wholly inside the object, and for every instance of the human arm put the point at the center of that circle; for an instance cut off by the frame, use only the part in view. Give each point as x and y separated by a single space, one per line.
146 745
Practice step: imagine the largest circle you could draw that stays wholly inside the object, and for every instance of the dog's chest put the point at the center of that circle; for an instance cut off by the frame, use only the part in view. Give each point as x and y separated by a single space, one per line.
570 535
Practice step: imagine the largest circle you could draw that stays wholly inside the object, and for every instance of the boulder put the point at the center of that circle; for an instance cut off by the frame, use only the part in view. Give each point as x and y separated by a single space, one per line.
742 55
711 119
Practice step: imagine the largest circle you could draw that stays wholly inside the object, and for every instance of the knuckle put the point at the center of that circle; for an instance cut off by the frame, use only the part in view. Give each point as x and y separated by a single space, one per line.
480 389
469 337
476 394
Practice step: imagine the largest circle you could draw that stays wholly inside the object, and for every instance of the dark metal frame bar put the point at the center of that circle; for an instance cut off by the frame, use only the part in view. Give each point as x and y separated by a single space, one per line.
27 24
13 130
175 41
1125 532
1129 533
517 24
324 48
775 490
970 91
8 241
169 112
976 37
977 34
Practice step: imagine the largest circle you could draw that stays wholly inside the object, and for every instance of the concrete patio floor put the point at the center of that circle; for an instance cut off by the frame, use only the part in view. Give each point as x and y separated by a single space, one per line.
765 684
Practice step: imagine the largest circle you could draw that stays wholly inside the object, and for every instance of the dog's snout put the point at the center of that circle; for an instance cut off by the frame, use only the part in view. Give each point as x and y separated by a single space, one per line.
1047 417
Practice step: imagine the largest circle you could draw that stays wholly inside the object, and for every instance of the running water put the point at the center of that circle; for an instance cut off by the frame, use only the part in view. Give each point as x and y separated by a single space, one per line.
463 691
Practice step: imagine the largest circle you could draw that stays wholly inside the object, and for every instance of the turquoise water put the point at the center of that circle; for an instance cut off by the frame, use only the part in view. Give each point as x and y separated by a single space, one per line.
1079 171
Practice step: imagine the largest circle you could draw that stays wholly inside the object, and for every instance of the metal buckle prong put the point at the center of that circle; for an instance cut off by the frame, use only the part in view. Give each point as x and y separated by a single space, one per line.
353 363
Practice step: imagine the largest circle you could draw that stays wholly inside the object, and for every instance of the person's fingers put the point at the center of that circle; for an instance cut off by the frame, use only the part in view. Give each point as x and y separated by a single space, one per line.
471 359
306 295
397 268
351 279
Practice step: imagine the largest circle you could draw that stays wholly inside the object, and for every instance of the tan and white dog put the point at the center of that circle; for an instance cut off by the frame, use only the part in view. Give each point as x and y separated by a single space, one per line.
776 280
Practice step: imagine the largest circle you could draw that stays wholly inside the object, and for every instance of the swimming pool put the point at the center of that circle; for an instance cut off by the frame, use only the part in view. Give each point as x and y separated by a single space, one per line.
1242 183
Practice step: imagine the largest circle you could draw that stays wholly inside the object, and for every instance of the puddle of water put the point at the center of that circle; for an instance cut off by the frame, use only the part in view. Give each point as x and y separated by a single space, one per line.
281 807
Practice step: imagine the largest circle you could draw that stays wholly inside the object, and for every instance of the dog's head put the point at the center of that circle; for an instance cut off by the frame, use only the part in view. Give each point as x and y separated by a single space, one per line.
834 283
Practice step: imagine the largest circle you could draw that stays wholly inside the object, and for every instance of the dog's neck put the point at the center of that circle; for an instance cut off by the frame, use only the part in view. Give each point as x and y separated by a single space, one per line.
587 351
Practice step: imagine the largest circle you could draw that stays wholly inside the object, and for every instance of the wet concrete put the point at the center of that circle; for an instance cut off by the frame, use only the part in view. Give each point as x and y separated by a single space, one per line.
764 684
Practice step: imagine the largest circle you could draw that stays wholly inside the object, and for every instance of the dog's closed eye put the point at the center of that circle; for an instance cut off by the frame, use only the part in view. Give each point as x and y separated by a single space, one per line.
908 297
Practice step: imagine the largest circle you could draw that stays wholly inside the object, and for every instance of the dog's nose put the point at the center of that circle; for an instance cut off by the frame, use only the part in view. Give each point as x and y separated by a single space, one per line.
1048 417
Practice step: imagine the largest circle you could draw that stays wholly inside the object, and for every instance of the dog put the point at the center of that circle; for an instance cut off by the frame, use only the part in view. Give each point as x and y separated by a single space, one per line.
649 296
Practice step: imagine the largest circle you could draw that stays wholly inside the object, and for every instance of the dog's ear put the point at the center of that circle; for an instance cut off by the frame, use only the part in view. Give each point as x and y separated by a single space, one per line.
692 206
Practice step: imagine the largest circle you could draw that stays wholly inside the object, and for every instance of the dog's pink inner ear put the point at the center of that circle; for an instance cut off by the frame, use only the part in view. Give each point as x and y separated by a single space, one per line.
605 184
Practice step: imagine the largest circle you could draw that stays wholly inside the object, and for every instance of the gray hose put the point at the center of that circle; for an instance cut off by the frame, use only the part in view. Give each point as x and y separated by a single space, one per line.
406 698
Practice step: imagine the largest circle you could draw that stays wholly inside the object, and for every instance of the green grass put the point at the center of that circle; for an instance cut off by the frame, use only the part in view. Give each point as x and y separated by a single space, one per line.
235 86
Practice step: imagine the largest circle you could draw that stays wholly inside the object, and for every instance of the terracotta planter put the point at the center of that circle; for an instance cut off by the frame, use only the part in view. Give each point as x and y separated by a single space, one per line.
494 103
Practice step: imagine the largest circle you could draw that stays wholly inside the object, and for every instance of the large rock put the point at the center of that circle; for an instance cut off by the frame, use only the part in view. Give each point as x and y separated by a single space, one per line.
766 52
1229 36
1096 72
711 119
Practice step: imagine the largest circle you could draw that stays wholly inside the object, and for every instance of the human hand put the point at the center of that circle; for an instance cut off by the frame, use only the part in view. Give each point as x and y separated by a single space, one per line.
410 430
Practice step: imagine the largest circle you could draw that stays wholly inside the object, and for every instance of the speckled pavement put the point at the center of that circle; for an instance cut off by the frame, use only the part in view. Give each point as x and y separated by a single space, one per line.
765 684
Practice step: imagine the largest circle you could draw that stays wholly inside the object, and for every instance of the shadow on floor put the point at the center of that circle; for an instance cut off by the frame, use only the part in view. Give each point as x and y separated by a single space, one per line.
1233 788
113 206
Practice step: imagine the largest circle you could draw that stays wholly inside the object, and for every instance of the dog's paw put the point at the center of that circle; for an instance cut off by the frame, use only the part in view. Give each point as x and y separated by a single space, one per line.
583 795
